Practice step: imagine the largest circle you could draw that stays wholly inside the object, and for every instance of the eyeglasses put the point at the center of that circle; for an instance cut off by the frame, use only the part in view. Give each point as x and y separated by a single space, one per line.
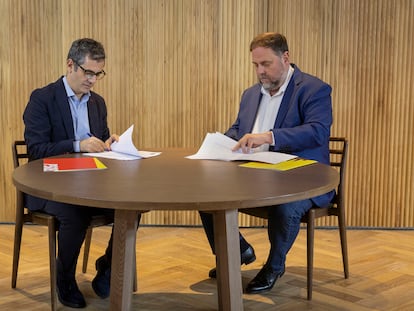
89 74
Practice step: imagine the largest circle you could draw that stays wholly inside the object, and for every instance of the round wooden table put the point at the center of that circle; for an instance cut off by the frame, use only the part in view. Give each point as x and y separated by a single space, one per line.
172 182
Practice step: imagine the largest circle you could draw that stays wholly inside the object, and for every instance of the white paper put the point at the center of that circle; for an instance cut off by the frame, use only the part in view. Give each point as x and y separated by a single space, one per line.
217 146
125 144
124 149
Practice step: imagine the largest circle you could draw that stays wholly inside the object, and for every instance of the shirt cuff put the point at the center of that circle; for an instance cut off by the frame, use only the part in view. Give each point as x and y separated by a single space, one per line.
76 146
273 137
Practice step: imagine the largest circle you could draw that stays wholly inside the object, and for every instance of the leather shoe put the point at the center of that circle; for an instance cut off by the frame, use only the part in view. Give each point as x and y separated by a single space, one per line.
264 280
69 294
247 257
101 284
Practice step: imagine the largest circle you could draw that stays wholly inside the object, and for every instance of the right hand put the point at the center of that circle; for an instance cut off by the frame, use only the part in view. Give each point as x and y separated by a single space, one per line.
249 141
92 144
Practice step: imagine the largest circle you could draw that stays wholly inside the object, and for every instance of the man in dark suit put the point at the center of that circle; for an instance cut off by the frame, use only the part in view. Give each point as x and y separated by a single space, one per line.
287 111
66 117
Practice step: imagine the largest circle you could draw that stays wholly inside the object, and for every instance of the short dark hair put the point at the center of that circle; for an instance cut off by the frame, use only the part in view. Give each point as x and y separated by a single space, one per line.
86 47
275 41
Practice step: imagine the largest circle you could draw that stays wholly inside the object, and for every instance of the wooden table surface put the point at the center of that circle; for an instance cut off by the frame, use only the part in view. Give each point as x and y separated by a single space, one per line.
172 182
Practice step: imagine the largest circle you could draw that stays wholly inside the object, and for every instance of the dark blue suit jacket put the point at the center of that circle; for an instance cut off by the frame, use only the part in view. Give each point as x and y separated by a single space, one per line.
49 127
302 125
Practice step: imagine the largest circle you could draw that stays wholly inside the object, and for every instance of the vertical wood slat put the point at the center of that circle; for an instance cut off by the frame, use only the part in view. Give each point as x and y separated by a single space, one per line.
176 69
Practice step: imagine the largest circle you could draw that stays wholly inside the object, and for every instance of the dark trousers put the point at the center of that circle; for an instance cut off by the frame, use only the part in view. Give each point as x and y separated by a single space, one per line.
73 222
207 220
283 228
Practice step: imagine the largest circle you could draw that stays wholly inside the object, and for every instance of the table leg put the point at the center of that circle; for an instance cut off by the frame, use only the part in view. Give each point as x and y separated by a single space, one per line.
227 243
122 270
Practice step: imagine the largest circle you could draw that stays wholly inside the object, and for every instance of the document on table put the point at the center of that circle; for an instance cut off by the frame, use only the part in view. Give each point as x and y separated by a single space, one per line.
71 164
124 149
217 146
282 166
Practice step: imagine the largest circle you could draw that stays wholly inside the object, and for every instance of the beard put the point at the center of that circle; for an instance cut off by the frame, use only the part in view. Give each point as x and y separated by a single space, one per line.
272 85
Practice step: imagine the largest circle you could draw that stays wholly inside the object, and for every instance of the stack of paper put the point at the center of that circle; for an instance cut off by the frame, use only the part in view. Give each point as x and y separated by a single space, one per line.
217 146
124 149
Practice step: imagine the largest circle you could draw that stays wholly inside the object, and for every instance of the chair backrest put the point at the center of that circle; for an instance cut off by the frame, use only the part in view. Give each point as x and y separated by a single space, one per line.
20 154
338 151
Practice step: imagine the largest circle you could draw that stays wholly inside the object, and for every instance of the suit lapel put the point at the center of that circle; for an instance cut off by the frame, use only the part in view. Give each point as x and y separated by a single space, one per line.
252 109
92 115
62 101
287 97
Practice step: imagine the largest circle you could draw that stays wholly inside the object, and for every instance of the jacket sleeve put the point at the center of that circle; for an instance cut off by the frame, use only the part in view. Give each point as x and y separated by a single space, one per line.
308 121
45 132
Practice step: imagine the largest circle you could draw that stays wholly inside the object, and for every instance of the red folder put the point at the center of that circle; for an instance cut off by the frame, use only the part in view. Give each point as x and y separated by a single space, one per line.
71 164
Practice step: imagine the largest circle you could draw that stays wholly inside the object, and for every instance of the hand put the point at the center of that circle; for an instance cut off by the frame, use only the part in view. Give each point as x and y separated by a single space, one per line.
92 144
110 140
249 141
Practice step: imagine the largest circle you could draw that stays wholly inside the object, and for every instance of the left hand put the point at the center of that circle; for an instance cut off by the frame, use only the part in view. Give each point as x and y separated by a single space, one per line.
249 141
110 140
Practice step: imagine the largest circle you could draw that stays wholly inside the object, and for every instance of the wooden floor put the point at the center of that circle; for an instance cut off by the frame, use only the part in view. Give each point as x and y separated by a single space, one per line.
173 266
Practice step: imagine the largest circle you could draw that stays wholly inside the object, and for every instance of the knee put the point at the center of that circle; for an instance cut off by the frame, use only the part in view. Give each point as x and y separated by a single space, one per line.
283 213
206 217
279 212
77 219
294 210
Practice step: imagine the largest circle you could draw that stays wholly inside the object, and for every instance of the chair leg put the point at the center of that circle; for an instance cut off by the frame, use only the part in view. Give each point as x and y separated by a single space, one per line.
344 245
52 261
18 230
135 287
310 241
87 246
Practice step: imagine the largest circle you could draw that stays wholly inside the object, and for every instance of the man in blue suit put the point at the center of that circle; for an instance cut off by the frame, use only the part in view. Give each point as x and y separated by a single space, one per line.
287 111
67 117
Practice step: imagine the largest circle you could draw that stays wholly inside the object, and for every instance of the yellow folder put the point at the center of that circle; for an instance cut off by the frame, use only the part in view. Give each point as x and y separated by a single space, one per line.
282 166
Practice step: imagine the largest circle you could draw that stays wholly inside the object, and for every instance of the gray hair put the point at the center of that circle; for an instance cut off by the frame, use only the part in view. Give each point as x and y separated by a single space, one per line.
86 47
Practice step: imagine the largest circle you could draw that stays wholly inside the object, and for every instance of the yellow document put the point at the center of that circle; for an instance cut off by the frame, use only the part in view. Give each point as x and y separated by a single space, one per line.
282 166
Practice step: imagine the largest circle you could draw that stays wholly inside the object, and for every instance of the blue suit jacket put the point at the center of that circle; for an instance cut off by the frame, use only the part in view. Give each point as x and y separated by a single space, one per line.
49 127
302 125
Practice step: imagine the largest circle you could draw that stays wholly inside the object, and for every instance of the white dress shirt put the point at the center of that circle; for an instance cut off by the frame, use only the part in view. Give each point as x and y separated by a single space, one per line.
268 109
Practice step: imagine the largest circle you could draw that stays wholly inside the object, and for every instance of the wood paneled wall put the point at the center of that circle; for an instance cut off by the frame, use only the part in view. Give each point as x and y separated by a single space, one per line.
176 69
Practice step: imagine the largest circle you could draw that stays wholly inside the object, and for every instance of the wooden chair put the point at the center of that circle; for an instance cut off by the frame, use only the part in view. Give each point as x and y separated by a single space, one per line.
338 155
23 215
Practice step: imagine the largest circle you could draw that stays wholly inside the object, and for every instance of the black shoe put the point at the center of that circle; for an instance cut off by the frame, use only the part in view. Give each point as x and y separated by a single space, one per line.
102 281
246 258
70 295
264 280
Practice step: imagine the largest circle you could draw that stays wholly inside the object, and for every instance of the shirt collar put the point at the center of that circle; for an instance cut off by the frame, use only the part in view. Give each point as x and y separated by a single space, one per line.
69 90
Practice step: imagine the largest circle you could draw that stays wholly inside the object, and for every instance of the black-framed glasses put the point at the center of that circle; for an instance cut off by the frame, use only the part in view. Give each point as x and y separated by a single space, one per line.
89 74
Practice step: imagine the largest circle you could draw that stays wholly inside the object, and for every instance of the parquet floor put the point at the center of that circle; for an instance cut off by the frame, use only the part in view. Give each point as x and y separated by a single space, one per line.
173 266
